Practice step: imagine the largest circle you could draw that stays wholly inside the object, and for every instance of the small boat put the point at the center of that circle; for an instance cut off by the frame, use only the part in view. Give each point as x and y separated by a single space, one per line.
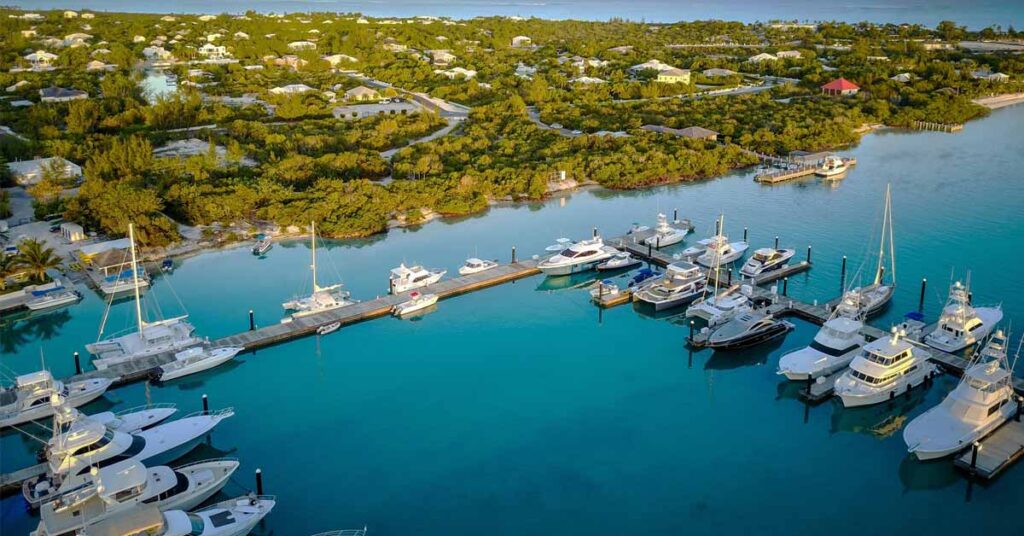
637 229
234 517
665 234
961 324
417 302
328 328
604 288
405 278
885 368
474 266
30 398
983 400
833 167
196 359
619 261
262 246
765 260
682 283
167 265
579 257
750 328
53 298
124 282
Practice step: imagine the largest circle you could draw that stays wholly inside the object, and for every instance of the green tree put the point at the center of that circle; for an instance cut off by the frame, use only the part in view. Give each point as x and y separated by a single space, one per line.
36 258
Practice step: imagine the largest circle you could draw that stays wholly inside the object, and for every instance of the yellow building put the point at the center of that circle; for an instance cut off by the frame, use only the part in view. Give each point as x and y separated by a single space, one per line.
674 76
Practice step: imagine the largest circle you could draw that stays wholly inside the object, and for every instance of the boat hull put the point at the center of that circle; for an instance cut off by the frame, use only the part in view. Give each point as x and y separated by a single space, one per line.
777 330
168 373
81 393
569 269
854 399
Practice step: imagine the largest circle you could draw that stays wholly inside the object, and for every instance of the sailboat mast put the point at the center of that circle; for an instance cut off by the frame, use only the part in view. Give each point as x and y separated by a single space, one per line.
135 279
313 240
892 244
881 239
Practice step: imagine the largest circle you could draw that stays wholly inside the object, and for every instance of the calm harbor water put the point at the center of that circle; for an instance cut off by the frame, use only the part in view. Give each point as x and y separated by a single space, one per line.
976 15
522 410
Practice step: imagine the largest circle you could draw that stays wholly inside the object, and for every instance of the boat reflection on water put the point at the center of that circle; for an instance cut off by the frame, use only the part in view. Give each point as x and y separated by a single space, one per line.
747 357
928 476
567 282
880 420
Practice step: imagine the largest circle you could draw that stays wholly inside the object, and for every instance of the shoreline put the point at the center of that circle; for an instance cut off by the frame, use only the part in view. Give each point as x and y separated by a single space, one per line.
996 102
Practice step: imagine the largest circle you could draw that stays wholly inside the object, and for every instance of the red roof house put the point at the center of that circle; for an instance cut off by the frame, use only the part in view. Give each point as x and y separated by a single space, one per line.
841 86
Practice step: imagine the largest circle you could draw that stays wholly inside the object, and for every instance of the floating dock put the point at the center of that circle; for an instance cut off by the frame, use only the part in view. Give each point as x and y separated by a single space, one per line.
996 451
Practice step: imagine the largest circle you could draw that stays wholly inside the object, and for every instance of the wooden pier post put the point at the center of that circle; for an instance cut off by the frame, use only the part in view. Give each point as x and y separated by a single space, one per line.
252 321
259 481
206 405
920 301
78 364
675 214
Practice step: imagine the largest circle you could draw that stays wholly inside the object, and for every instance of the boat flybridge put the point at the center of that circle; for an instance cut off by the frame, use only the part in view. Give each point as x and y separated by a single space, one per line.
980 403
833 167
80 443
31 396
665 234
322 299
148 338
766 260
722 305
579 257
681 283
834 346
961 324
716 249
885 368
405 278
129 484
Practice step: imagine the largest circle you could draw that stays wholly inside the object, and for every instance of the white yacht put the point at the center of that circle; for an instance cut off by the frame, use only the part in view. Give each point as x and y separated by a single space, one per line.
474 265
196 359
52 295
128 421
416 302
80 443
579 257
321 299
619 261
748 328
962 324
765 260
720 250
234 517
981 402
128 484
721 306
681 283
834 346
148 338
605 288
832 167
405 278
885 368
665 234
873 297
30 396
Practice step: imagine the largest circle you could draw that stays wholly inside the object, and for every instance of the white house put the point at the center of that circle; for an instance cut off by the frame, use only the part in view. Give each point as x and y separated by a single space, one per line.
717 73
97 65
587 80
902 78
40 59
29 172
139 39
211 50
336 59
791 54
156 53
302 45
362 93
441 57
456 72
521 41
207 18
291 89
70 14
241 35
650 65
762 57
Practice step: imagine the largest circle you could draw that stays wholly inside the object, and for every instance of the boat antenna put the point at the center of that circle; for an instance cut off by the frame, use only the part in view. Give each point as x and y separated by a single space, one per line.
312 225
135 280
1016 356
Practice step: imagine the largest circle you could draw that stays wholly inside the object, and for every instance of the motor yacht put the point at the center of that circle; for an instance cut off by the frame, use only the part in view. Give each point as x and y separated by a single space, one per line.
80 443
619 261
682 283
980 403
579 257
833 167
747 329
834 346
128 421
234 517
30 397
665 234
124 282
961 324
720 250
321 299
474 265
884 368
766 260
406 278
195 360
416 302
128 484
721 306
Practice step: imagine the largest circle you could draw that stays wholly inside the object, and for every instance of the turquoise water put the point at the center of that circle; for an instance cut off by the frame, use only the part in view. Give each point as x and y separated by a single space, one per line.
975 15
521 409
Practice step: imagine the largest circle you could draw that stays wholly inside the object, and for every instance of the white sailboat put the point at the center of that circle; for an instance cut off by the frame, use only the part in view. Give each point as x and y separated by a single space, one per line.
873 297
323 298
721 306
148 338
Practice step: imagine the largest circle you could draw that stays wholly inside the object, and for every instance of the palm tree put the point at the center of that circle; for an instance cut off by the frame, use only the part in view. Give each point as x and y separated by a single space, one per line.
8 267
35 258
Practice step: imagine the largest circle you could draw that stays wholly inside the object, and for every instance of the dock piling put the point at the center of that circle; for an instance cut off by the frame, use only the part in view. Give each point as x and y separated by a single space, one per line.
744 234
920 301
675 214
252 321
1020 408
78 364
691 330
650 253
975 448
594 233
808 254
730 276
776 242
842 273
259 481
785 286
513 254
206 405
658 240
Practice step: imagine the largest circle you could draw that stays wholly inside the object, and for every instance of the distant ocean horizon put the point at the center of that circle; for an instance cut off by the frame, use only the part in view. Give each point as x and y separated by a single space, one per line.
976 14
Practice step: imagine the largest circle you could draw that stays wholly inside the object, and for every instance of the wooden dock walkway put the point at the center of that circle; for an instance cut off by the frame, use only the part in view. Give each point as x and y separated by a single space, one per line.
11 482
783 175
998 451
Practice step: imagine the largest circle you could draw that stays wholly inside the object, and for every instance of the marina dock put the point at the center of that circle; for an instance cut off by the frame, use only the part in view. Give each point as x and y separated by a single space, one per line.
995 452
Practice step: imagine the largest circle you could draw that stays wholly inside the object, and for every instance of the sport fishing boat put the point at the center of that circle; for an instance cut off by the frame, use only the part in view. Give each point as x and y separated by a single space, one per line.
405 278
416 302
148 338
884 368
962 324
747 329
80 443
720 250
832 167
128 484
579 257
834 346
619 261
766 260
665 234
474 265
127 421
195 360
322 299
980 403
682 283
30 397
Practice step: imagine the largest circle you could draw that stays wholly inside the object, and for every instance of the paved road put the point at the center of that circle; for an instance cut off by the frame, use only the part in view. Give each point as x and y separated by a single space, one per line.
386 155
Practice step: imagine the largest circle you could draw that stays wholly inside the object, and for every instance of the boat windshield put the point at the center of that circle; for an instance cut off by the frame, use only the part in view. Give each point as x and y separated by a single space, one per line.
887 361
198 524
834 352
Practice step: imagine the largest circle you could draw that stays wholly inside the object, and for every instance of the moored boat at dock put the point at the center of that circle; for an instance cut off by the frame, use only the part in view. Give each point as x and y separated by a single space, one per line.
31 396
746 329
195 360
417 302
884 368
961 324
766 260
405 278
834 345
579 257
321 299
681 283
665 234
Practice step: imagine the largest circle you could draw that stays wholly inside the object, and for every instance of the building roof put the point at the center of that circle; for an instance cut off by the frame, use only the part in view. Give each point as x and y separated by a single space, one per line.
697 132
674 72
840 84
360 91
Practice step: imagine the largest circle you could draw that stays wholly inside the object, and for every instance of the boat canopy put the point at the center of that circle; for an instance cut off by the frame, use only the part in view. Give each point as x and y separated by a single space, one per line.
41 378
